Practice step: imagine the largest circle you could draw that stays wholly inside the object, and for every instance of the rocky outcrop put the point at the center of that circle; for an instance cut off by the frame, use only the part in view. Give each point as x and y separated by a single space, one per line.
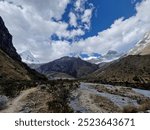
6 42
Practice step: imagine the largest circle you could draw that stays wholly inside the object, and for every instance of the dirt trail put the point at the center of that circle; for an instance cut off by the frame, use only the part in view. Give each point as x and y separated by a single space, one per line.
16 104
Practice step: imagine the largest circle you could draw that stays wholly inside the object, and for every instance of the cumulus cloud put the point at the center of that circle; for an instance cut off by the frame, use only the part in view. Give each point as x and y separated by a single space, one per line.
31 24
84 14
86 18
73 19
122 35
46 8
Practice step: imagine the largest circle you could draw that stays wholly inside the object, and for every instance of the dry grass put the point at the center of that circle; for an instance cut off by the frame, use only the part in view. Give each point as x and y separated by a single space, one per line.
105 104
144 105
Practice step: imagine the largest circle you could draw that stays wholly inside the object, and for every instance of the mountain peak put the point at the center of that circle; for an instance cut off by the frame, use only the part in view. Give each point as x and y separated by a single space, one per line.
28 57
142 47
73 66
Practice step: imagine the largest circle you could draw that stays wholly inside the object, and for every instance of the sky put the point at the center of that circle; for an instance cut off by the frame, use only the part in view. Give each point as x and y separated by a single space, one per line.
51 29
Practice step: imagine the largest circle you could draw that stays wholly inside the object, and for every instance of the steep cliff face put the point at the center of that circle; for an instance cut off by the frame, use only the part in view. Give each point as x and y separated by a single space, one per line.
6 42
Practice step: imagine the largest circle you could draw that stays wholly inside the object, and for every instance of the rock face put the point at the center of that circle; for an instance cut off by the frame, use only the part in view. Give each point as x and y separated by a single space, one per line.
70 65
6 42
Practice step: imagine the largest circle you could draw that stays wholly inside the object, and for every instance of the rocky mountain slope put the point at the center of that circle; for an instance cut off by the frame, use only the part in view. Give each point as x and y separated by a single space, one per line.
11 67
132 70
72 66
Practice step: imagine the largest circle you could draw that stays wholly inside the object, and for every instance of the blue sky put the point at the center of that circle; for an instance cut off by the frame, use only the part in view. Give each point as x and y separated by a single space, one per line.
107 11
51 29
104 14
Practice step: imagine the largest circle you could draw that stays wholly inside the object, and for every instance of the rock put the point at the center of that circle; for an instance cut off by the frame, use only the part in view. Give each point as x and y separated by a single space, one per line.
26 110
3 102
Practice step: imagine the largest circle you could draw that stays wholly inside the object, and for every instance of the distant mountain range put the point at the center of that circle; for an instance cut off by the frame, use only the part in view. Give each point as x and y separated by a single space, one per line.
110 56
132 69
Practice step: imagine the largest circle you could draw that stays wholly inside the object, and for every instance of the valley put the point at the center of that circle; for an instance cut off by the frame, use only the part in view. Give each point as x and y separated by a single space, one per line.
78 97
113 83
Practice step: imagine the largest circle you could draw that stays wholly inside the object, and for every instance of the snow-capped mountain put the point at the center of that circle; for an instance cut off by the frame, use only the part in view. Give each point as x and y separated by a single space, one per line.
142 47
87 57
28 58
108 57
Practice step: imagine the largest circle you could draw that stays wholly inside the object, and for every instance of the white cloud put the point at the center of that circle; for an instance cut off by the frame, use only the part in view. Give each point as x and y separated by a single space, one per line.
122 35
86 18
79 5
46 9
31 26
84 14
30 23
73 19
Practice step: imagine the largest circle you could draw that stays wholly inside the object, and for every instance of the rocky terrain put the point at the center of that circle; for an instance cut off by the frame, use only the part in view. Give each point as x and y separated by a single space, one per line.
44 97
102 98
